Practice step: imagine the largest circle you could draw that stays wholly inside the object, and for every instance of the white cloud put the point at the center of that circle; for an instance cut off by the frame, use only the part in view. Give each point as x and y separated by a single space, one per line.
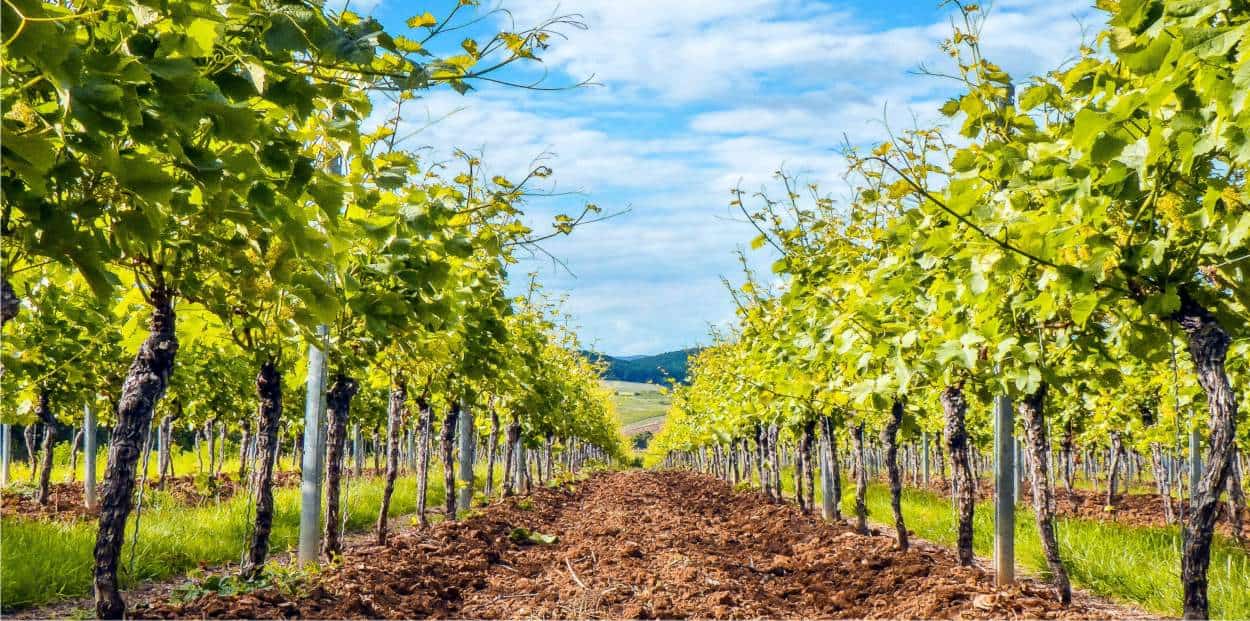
698 97
584 156
703 49
696 50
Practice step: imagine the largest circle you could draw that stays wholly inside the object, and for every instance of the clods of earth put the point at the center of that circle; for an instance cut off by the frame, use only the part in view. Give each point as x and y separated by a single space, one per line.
1137 509
67 503
640 544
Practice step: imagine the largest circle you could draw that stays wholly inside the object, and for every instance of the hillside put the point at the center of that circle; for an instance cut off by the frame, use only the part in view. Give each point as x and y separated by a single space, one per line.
656 369
640 408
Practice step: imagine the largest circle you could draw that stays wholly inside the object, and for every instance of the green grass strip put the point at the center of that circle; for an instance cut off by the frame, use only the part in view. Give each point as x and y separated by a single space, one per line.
1139 565
45 561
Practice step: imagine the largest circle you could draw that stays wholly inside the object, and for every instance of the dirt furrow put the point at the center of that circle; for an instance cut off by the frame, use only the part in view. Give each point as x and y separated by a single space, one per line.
643 545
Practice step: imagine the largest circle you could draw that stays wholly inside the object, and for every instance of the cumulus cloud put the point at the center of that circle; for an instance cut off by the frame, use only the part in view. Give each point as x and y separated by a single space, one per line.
698 97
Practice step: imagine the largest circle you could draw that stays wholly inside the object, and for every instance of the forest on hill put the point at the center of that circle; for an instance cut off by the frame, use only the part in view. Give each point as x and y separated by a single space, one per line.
657 369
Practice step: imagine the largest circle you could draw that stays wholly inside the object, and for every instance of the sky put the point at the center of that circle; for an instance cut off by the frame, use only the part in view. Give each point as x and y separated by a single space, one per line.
690 100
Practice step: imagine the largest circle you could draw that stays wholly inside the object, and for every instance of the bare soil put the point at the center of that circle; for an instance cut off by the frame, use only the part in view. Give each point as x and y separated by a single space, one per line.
1136 509
642 545
66 500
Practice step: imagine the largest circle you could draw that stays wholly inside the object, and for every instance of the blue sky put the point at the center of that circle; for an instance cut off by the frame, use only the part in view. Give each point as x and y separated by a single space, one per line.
695 98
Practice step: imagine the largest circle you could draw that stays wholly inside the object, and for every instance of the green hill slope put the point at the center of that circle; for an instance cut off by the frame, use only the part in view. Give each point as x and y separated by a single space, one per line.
655 369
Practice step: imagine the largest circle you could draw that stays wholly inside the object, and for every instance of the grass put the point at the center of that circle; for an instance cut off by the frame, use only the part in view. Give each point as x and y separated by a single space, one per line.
41 562
1139 565
617 385
1135 564
45 561
637 402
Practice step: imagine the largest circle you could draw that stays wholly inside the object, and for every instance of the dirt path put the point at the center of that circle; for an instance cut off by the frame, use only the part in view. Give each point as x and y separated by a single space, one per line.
652 424
637 545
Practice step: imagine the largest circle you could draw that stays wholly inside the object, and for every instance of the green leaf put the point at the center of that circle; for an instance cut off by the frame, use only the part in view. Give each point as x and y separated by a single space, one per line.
964 160
144 177
1088 125
1036 95
1028 381
202 34
1106 147
522 536
1150 58
1082 307
318 297
255 74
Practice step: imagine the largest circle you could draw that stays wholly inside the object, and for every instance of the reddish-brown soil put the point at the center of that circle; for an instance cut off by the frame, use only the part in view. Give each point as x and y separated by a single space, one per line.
66 502
1136 509
186 491
642 545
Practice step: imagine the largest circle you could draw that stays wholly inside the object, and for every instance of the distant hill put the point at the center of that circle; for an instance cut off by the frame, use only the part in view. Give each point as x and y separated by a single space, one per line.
650 369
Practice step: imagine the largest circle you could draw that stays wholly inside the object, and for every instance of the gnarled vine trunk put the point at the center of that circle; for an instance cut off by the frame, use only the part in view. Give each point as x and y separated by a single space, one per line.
492 453
75 443
889 436
1161 481
954 406
448 445
1113 474
144 385
761 463
426 424
1069 465
44 412
522 466
221 447
800 464
1236 501
861 480
211 435
512 435
1208 343
269 393
245 451
544 466
9 302
527 473
164 460
809 469
338 405
835 475
31 435
1031 410
775 450
378 450
394 425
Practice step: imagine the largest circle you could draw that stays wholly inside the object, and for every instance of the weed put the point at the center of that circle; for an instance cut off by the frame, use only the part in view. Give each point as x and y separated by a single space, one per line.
525 536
